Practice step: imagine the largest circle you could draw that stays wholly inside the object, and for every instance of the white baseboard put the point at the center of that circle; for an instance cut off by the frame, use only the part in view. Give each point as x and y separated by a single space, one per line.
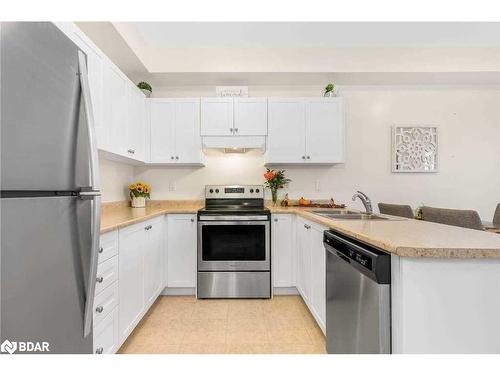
290 291
178 292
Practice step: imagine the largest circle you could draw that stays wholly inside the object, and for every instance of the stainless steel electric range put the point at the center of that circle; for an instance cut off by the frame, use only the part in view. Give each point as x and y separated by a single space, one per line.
234 248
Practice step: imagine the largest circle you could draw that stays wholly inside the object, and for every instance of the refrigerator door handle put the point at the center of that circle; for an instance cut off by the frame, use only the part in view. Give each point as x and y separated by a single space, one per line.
92 193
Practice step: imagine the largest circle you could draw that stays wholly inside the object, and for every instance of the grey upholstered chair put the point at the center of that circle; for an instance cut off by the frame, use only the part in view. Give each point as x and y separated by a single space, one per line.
402 210
460 218
496 217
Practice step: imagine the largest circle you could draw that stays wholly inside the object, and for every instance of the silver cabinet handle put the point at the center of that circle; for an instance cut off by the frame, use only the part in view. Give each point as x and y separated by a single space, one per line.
307 226
130 151
192 220
99 350
99 309
308 157
148 227
275 219
171 158
99 279
236 130
303 157
231 130
101 249
176 158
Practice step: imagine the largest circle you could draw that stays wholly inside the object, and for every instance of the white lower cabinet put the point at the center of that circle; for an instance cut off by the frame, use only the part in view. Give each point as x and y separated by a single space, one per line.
131 270
153 260
106 334
181 250
283 251
311 275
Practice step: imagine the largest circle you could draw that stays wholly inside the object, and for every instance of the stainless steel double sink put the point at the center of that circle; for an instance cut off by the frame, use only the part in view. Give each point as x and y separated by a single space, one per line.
351 215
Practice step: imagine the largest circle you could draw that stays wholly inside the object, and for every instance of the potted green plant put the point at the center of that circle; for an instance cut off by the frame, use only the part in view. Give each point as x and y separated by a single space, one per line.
275 180
145 88
329 90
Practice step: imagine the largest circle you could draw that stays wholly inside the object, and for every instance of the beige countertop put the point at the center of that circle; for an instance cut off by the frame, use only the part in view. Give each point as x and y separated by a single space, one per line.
117 215
404 237
410 238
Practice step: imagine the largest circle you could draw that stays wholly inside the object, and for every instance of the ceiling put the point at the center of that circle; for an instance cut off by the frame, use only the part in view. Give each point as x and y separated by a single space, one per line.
317 34
280 53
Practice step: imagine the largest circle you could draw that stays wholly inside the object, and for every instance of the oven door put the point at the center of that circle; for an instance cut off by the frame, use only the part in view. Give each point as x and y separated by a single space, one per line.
229 245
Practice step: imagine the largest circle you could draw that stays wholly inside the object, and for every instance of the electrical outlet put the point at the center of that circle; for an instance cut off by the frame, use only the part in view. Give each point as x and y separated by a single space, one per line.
171 186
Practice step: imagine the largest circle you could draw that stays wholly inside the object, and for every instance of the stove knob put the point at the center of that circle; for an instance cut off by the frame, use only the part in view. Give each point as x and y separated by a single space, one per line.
211 191
251 190
216 190
257 190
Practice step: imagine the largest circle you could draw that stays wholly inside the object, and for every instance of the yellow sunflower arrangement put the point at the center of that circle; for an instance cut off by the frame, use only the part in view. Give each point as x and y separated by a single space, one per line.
139 189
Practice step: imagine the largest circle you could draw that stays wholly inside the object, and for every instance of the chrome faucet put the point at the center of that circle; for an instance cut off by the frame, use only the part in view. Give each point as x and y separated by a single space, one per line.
366 201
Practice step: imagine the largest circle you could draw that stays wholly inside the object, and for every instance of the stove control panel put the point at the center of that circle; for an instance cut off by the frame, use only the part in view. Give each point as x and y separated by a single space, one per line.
234 191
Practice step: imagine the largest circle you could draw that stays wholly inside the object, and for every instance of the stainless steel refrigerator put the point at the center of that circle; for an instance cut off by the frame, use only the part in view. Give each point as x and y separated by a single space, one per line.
50 199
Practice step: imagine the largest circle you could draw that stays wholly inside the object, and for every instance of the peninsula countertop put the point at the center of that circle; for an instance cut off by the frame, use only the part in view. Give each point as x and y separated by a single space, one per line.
408 237
403 237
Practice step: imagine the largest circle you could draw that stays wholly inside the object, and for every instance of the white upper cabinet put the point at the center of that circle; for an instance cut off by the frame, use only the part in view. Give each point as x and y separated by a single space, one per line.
175 131
136 142
250 116
217 116
286 130
305 130
324 130
115 110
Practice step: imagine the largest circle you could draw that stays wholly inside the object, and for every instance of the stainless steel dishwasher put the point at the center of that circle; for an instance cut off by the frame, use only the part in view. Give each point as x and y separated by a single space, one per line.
358 297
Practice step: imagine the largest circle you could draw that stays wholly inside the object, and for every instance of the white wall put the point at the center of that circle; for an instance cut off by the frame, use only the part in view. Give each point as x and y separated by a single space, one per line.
469 150
114 180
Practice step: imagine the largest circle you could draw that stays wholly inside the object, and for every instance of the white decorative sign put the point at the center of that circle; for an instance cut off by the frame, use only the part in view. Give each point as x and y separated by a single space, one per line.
414 149
230 91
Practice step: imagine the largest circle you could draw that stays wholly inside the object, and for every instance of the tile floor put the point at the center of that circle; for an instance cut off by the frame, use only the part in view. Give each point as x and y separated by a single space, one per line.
177 325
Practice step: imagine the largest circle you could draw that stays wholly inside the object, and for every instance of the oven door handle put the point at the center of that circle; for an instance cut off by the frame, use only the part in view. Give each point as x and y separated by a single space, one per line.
233 218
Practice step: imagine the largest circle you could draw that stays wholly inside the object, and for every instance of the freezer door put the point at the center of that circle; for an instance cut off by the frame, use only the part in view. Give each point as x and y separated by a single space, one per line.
43 145
45 271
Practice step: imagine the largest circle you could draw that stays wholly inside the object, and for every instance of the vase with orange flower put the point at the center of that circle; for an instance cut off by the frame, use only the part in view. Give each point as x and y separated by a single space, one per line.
139 192
275 179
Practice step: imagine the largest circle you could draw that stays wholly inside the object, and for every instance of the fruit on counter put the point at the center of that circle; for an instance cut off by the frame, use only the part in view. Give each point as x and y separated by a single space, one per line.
304 202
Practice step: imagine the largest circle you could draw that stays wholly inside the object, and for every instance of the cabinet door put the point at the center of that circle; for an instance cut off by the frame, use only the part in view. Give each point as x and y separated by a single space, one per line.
187 131
136 143
153 261
181 253
286 131
115 109
324 130
304 259
217 116
318 276
131 277
162 131
283 257
250 116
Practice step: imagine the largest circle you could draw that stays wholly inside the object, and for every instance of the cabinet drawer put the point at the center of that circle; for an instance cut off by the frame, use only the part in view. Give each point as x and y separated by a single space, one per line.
105 302
106 334
107 274
108 246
